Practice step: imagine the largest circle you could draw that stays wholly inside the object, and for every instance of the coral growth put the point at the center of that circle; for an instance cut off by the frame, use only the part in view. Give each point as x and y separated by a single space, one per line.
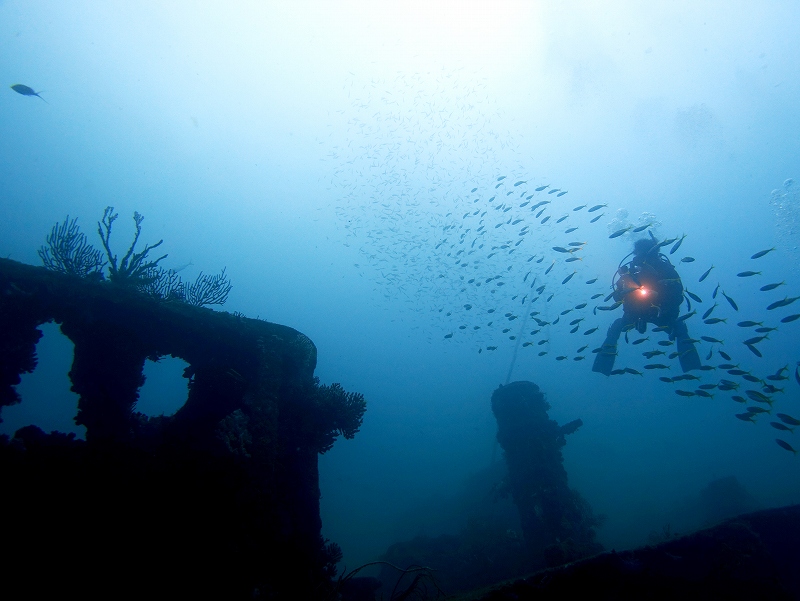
208 290
336 412
135 269
68 251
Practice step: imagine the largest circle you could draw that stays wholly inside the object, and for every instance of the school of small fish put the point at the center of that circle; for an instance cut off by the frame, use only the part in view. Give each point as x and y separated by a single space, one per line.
506 266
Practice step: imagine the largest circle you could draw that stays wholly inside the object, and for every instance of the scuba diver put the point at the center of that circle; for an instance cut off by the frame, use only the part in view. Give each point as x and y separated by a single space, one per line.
650 291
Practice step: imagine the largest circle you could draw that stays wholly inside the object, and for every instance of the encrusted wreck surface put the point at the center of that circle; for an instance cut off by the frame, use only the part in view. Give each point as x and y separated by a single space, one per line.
228 485
752 556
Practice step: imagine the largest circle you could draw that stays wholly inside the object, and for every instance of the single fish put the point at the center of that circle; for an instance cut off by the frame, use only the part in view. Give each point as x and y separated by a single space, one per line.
755 351
694 297
641 228
782 303
785 445
747 274
761 253
790 318
788 419
597 208
618 233
687 260
731 302
677 245
709 311
540 188
769 287
749 324
705 275
759 397
26 91
593 219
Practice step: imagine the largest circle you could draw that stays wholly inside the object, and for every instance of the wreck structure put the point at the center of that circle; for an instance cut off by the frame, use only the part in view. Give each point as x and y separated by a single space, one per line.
227 485
557 522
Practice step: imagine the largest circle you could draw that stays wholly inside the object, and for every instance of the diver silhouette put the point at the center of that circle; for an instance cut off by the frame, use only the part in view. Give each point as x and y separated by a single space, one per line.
651 291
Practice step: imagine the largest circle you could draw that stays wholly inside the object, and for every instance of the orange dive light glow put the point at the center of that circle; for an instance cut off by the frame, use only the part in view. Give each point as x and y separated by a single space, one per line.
643 291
